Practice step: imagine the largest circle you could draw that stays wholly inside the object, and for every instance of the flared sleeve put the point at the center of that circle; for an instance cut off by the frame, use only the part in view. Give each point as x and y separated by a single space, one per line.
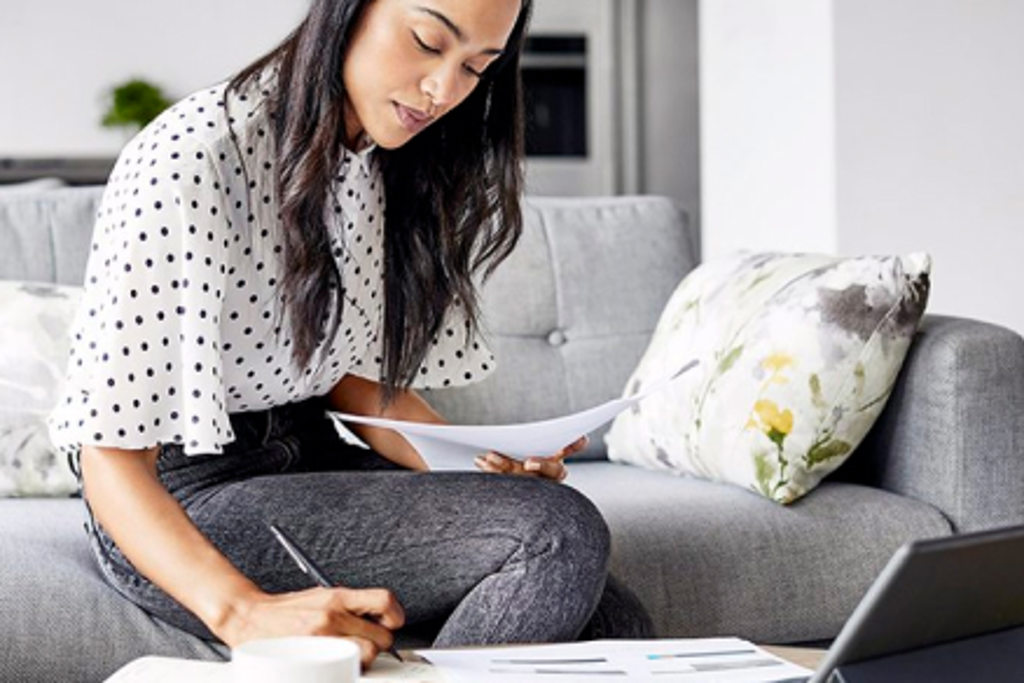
146 359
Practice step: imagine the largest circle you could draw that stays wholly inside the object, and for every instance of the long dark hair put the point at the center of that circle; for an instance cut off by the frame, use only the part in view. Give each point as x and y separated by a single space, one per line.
452 192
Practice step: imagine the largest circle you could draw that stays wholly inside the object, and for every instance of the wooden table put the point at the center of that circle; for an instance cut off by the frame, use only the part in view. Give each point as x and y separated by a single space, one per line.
803 656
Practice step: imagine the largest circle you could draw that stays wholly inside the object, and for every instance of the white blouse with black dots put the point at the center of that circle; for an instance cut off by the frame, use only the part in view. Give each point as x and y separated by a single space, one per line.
182 319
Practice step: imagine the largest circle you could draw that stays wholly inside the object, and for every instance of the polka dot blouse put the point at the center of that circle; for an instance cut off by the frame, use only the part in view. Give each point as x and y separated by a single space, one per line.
182 320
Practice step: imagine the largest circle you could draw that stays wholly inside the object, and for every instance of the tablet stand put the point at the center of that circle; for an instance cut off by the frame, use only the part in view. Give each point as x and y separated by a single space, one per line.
993 658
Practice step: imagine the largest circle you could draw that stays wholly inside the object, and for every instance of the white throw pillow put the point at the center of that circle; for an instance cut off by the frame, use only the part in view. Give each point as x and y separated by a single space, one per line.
35 318
798 352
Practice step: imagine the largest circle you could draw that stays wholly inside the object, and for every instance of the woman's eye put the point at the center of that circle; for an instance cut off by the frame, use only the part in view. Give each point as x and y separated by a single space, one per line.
473 72
424 46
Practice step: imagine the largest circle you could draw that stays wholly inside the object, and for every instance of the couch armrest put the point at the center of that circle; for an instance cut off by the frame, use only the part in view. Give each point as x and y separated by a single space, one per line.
952 432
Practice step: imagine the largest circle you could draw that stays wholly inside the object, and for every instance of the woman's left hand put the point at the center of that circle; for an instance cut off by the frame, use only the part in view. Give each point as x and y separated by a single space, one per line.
548 467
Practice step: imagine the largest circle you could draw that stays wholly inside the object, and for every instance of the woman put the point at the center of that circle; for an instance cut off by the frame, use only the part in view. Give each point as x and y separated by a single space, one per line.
242 282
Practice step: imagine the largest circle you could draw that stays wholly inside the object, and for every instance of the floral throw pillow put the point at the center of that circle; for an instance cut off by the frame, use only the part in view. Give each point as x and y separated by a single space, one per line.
798 354
35 318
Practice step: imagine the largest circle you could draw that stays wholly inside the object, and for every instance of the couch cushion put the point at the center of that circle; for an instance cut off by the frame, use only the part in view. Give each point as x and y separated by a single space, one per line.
30 186
46 235
572 309
61 621
713 559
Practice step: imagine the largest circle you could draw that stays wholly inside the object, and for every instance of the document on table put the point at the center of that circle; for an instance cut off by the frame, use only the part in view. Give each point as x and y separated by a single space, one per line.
694 660
453 447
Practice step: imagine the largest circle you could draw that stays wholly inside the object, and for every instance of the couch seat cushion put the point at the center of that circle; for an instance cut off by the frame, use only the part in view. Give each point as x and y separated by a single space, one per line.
61 621
713 559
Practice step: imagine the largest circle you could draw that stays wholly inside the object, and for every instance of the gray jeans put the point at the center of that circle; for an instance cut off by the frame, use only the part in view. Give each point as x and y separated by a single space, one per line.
473 558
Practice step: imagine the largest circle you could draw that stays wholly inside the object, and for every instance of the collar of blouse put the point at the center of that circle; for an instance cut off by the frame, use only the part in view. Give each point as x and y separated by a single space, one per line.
361 155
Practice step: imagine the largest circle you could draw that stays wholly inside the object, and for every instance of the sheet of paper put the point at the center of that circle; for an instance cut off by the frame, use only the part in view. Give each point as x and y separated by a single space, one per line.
447 447
695 660
387 668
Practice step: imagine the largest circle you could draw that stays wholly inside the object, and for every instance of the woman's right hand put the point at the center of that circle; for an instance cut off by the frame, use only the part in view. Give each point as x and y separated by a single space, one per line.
367 616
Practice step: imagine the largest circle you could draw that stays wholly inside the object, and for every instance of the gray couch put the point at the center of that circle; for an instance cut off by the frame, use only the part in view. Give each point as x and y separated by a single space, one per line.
570 315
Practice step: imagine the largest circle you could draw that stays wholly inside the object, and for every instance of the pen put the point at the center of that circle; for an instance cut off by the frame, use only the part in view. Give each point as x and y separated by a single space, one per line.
308 567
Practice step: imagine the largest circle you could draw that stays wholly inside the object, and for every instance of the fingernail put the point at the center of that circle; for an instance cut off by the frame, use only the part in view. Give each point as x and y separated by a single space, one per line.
532 465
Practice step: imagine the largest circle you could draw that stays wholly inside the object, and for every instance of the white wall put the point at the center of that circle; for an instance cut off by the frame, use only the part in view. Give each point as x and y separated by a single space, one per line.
57 58
931 144
766 118
871 126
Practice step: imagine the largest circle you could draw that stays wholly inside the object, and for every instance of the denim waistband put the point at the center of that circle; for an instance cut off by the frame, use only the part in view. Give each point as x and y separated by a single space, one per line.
254 429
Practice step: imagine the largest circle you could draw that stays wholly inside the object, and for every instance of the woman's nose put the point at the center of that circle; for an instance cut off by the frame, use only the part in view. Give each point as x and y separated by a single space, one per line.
441 86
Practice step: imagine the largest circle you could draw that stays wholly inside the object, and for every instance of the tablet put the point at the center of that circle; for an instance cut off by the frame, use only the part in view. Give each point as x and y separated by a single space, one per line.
935 591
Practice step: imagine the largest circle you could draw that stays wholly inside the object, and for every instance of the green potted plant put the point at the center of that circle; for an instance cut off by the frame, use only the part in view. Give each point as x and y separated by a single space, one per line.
133 104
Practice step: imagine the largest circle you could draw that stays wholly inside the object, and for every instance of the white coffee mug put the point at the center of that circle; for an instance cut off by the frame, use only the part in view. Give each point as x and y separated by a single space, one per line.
296 659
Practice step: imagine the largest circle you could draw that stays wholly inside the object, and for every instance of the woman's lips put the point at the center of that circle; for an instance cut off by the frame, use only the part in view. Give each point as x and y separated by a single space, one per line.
412 120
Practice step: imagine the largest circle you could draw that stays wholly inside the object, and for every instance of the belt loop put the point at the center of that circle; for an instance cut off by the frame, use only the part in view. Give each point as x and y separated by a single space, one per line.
270 424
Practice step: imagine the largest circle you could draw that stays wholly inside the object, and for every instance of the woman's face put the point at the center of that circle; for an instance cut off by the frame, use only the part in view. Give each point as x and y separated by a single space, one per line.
412 61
